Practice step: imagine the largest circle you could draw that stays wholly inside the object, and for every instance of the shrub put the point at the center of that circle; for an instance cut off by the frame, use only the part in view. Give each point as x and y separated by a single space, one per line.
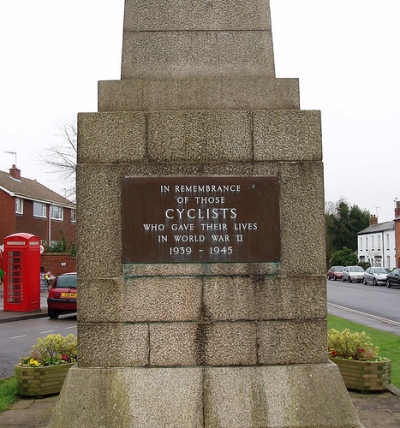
351 346
52 350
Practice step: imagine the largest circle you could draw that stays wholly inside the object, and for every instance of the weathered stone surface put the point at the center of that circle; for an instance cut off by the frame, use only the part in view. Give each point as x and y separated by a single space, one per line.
225 397
130 398
292 342
202 136
197 54
189 15
173 345
200 269
277 396
302 227
98 227
199 136
287 135
113 345
109 138
198 94
151 299
258 297
230 343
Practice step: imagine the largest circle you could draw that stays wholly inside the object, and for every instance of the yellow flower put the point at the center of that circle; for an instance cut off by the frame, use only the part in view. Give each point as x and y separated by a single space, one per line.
34 363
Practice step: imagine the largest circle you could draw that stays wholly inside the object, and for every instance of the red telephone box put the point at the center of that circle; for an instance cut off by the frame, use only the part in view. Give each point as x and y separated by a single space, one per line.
21 273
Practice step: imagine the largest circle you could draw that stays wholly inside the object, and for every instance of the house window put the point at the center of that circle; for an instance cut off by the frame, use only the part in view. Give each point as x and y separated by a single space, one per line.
373 244
388 262
360 243
56 213
19 205
387 241
379 242
39 210
366 243
73 216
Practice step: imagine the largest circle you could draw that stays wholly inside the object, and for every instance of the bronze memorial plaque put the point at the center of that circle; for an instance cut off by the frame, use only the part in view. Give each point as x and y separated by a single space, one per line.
200 219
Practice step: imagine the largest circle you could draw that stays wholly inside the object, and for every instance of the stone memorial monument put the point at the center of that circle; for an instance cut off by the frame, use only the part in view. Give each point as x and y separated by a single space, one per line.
201 253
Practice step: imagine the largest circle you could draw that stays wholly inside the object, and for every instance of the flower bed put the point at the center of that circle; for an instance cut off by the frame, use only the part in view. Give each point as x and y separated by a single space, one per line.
358 361
364 375
38 381
44 371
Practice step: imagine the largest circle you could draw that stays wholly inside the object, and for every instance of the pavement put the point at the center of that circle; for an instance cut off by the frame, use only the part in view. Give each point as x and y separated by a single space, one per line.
9 316
375 410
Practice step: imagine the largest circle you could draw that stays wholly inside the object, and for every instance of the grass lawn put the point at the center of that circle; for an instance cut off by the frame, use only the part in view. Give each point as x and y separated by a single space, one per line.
388 343
8 389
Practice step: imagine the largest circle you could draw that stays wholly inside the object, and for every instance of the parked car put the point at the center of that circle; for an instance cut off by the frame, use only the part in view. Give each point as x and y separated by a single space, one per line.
393 278
375 276
335 272
353 273
62 295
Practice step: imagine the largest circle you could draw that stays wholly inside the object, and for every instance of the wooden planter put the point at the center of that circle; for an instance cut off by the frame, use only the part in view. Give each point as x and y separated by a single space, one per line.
38 381
364 375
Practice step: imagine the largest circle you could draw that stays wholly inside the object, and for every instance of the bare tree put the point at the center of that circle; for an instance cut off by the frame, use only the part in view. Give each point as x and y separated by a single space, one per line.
61 156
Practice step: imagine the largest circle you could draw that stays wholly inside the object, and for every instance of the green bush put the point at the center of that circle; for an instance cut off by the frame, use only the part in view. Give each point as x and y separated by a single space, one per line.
52 350
351 346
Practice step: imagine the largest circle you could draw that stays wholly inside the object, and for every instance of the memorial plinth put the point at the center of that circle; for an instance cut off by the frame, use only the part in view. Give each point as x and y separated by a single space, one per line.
201 258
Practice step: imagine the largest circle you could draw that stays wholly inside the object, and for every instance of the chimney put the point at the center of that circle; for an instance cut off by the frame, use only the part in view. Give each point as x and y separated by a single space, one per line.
15 172
373 220
397 210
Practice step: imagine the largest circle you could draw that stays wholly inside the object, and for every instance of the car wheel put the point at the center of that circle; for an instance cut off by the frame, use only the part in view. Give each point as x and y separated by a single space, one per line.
374 282
343 280
364 281
53 314
388 284
350 279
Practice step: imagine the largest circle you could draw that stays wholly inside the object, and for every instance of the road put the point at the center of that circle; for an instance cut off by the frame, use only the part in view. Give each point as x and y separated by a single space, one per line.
377 307
18 337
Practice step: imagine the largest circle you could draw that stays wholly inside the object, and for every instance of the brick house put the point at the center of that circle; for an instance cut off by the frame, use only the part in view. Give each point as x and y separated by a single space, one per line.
28 206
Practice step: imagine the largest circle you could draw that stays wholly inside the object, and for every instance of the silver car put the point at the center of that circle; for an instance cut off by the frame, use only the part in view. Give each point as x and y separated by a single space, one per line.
353 273
375 276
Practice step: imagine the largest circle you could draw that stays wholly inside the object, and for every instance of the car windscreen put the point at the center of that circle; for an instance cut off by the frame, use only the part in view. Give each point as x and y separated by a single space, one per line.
380 270
67 281
357 269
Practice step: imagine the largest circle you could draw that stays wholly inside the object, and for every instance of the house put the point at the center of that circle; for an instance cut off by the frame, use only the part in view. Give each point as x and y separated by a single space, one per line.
397 232
28 206
379 244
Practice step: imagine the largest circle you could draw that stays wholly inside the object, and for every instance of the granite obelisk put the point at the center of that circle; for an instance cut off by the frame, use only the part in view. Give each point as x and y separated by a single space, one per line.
201 253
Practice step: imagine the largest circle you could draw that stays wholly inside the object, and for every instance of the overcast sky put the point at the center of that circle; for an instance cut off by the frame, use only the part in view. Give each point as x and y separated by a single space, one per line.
345 53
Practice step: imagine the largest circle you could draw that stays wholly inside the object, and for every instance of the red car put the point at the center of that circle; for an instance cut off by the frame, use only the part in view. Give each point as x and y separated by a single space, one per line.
335 272
62 295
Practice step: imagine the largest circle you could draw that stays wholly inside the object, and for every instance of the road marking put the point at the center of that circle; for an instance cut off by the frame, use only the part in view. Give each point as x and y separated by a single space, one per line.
67 328
47 331
364 314
17 337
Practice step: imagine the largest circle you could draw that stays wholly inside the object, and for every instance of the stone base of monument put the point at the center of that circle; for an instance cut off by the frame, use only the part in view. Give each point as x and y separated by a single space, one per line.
307 395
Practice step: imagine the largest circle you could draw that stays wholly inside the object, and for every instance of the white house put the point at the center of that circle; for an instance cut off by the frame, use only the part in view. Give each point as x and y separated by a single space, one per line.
377 244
